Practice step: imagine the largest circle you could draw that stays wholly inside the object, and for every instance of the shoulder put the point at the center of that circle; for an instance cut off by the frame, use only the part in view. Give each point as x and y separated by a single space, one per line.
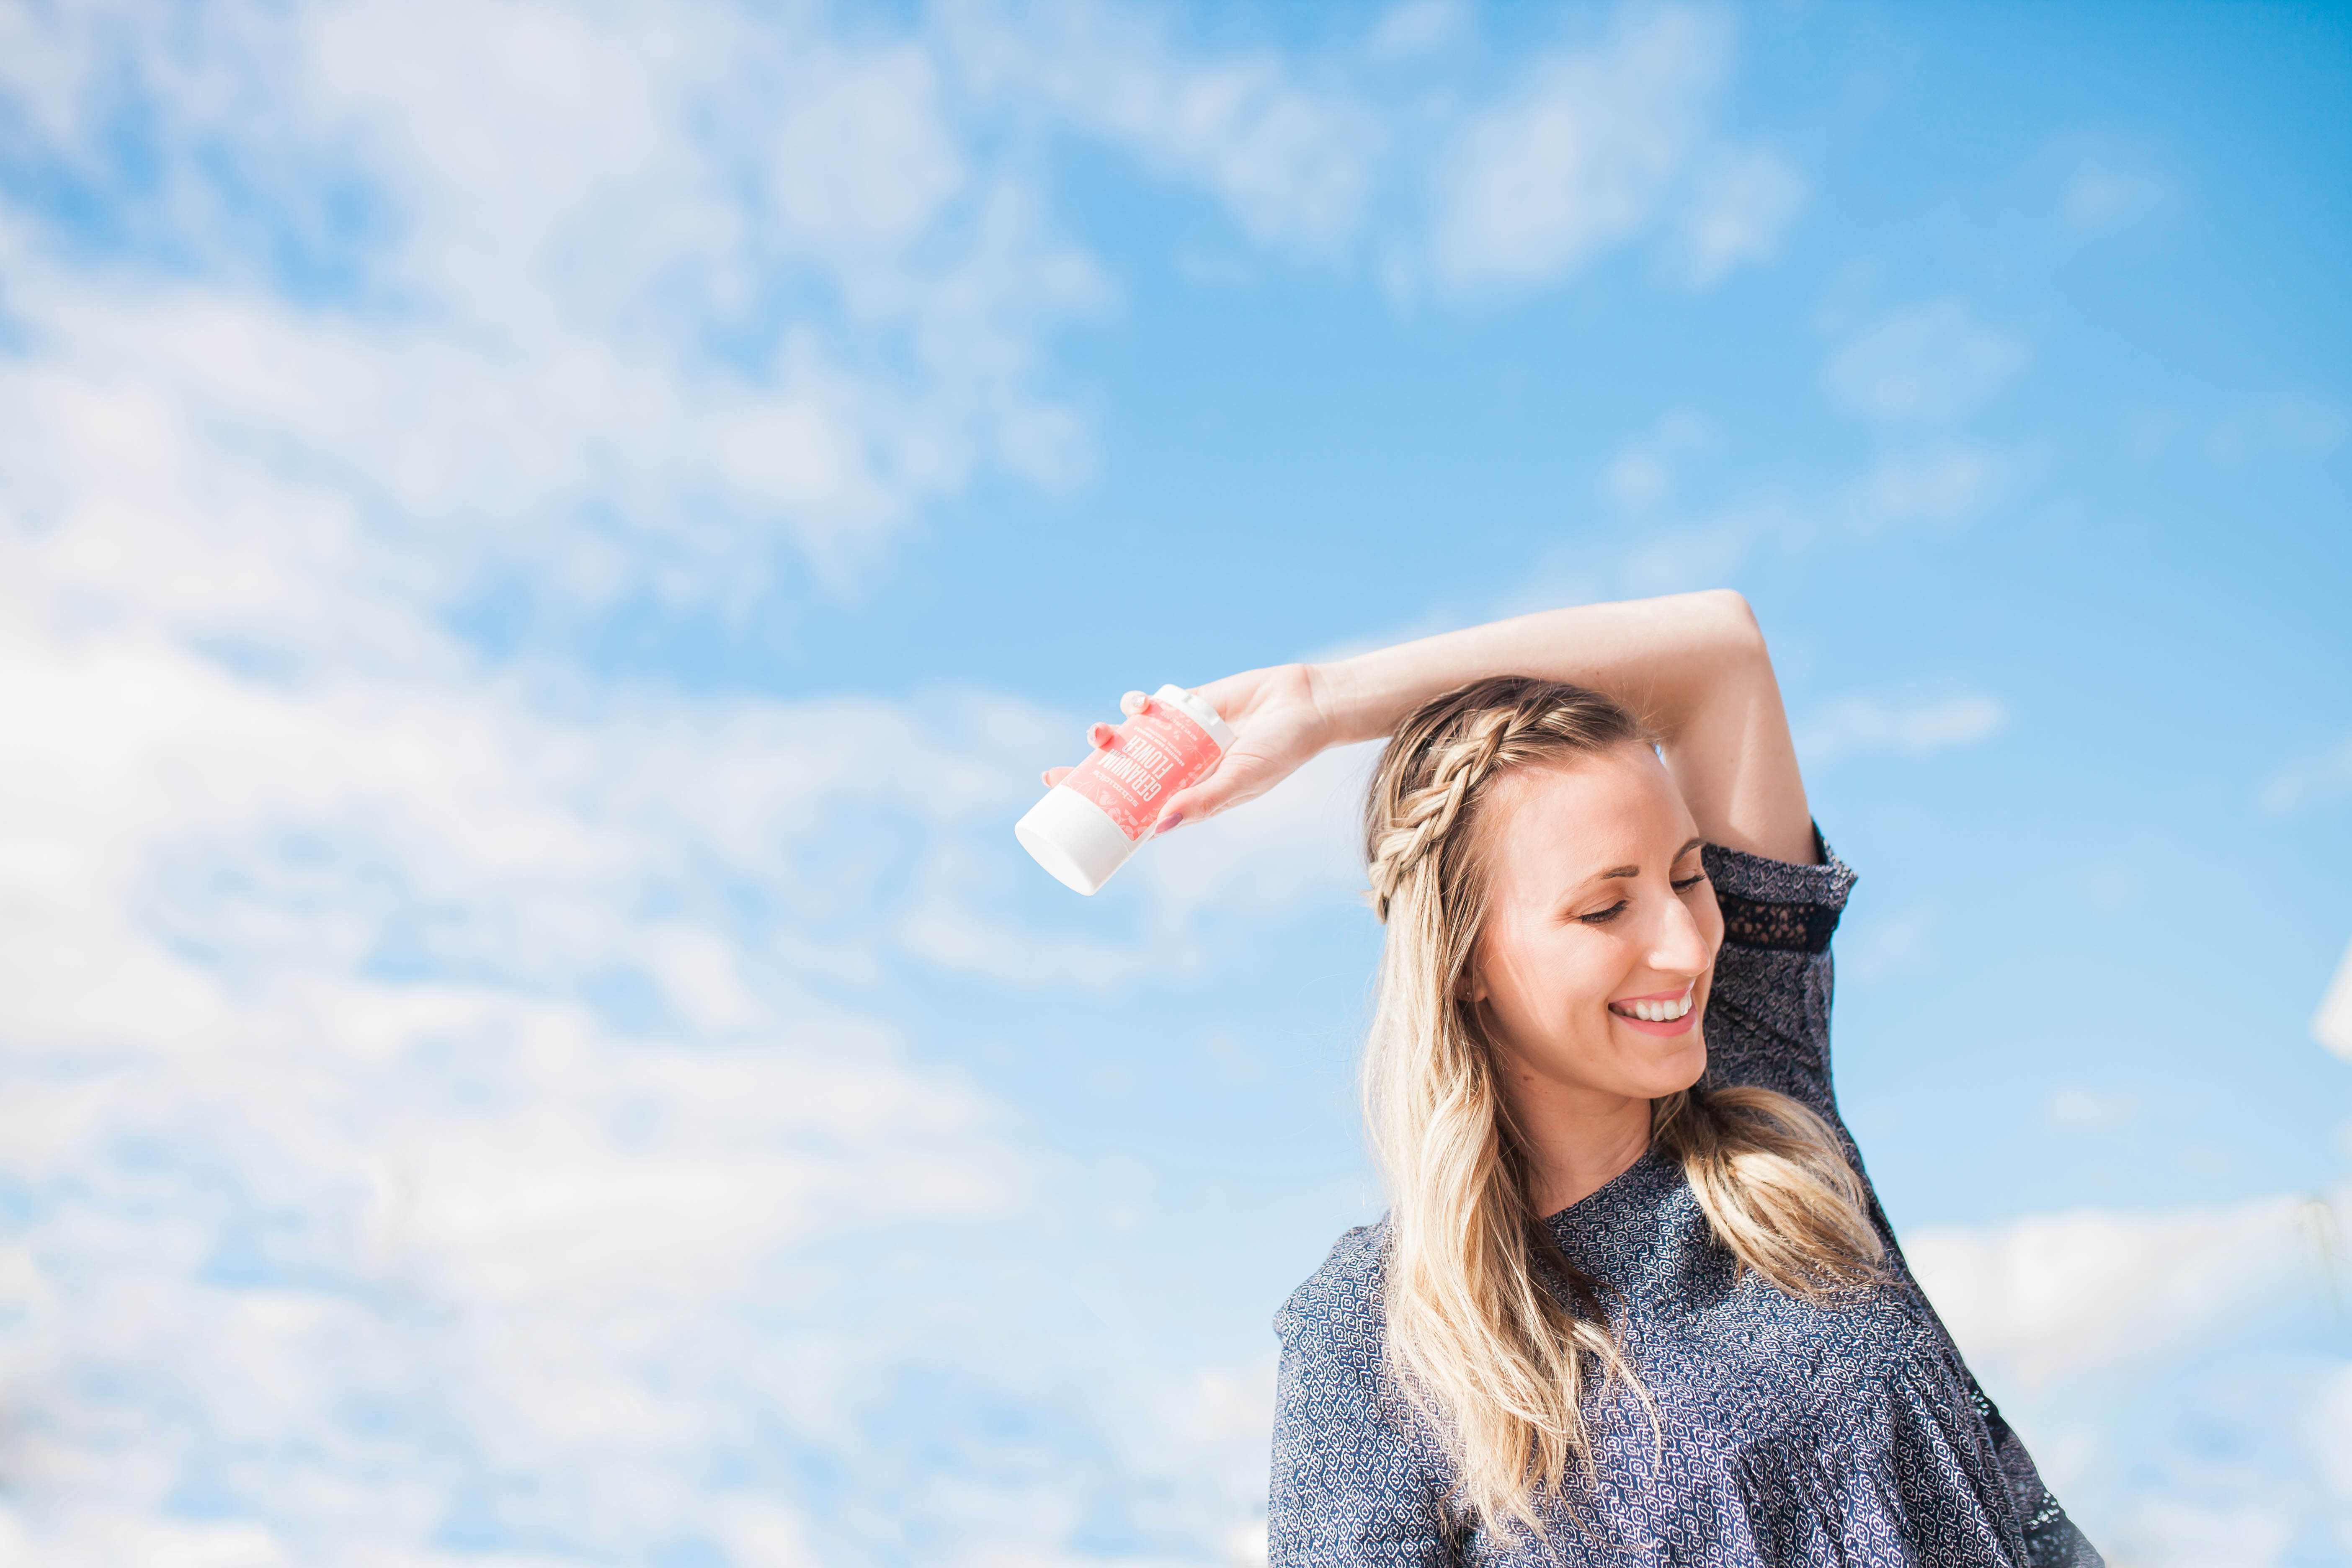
1340 1304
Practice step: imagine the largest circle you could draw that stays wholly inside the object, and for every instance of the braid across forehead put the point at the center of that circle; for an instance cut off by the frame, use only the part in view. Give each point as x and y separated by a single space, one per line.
1433 771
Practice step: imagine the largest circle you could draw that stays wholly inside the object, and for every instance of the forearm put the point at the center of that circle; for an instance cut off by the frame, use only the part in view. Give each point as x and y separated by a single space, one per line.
1692 667
1662 658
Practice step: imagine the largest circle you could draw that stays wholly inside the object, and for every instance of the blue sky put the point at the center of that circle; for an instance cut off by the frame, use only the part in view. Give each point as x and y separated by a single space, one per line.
541 550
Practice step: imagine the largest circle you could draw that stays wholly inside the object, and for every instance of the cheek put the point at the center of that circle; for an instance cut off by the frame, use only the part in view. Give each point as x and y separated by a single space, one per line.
1551 982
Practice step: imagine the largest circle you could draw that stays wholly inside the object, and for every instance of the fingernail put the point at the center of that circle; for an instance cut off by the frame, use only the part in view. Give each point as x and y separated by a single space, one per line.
1168 823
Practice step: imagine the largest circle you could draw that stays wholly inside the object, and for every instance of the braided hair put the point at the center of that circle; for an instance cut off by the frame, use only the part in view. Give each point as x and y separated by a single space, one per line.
1442 757
1493 1334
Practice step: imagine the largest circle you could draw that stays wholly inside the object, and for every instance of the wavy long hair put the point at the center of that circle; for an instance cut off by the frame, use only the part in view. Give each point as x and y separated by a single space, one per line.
1492 1332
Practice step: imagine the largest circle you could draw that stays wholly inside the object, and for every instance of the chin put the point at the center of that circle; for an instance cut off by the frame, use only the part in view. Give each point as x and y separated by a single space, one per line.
1681 1071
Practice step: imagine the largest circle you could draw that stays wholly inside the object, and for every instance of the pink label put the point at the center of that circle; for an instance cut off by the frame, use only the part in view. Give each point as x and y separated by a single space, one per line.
1152 757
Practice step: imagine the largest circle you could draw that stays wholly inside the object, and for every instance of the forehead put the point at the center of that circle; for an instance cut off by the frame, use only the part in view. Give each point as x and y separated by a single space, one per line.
1558 824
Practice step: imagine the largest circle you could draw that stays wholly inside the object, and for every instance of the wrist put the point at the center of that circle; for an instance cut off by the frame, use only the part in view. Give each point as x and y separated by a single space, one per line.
1335 691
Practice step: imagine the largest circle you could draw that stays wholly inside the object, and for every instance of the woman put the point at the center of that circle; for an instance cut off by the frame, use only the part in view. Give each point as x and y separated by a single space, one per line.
1634 1300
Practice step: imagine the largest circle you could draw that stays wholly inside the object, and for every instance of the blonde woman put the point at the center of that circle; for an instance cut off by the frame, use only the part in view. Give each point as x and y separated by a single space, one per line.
1634 1300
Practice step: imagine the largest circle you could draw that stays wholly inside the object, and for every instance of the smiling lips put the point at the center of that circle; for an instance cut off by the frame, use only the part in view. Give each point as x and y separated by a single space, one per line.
1669 1013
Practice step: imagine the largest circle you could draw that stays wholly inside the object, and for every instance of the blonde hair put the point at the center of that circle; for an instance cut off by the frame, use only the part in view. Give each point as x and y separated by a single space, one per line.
1491 1331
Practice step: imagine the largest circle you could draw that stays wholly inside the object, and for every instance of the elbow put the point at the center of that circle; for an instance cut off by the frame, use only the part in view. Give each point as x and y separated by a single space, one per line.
1731 625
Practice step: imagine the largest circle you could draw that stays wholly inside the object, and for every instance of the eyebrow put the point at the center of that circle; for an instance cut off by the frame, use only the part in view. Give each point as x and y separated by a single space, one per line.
1636 870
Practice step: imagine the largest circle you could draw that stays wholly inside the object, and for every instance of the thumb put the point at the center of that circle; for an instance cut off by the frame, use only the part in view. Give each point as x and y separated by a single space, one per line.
1236 780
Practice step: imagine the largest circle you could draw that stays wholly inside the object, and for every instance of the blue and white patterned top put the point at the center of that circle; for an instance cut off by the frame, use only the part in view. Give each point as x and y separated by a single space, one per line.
1849 1433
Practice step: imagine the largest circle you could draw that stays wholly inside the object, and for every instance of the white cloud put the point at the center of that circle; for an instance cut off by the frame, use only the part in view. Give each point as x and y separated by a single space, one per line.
318 1098
2291 426
2099 199
2316 778
1930 362
2085 1105
1591 145
313 1108
2331 1025
450 1101
2068 1294
1292 160
1864 724
2100 1335
1941 486
1416 27
1896 944
1642 476
1742 201
564 242
2101 1338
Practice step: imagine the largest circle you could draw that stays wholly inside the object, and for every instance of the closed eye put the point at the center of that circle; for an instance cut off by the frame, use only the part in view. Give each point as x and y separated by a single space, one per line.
1687 883
1603 917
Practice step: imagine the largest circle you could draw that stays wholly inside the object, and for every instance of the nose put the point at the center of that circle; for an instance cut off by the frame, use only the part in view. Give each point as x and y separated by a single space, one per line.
1676 945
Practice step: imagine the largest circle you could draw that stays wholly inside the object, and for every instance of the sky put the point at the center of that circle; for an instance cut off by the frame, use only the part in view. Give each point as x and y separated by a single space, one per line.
542 549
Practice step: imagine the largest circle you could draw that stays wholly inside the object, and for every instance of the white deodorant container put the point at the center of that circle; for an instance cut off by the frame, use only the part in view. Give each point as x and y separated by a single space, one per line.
1088 825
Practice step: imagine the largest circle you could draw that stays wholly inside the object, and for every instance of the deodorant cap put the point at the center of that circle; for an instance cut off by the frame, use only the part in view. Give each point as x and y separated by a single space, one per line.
1198 712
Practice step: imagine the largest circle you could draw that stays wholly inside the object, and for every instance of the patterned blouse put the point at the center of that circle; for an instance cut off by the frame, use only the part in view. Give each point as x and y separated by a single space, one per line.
1849 1433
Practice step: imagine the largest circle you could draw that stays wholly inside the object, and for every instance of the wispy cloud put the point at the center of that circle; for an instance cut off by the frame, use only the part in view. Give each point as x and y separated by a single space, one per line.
1936 487
1294 161
1592 144
1743 201
568 324
2053 1295
2100 197
1866 723
2288 427
2331 1025
396 1043
1881 948
2318 777
1642 476
1930 362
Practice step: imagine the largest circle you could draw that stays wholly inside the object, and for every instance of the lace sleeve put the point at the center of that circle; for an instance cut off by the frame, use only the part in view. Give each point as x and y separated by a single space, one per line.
1768 1013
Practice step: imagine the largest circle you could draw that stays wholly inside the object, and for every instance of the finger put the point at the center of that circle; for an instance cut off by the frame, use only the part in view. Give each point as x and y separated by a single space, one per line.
1134 702
1207 798
1100 736
1056 775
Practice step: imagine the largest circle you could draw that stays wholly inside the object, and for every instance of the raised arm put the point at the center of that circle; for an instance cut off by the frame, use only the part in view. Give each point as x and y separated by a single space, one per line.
1692 667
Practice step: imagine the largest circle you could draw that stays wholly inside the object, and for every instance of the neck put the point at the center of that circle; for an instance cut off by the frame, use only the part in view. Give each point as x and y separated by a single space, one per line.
1577 1142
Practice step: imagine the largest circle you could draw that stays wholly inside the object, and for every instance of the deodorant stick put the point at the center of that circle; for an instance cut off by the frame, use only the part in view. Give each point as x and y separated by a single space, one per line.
1088 825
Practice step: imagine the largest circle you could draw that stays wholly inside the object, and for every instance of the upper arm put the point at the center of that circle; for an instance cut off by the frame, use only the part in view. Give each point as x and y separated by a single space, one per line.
1730 751
1768 1011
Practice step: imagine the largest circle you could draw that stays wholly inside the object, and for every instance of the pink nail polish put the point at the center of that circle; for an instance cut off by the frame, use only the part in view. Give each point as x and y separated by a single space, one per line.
1168 823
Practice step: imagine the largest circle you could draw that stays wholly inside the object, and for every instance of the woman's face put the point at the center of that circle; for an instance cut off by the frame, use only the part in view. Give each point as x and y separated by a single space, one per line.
1598 913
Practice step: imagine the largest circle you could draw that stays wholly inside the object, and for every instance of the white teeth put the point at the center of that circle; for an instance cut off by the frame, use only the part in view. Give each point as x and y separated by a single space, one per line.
1658 1012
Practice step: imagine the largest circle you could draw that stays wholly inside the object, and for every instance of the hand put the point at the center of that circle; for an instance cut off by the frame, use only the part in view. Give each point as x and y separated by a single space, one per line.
1278 721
